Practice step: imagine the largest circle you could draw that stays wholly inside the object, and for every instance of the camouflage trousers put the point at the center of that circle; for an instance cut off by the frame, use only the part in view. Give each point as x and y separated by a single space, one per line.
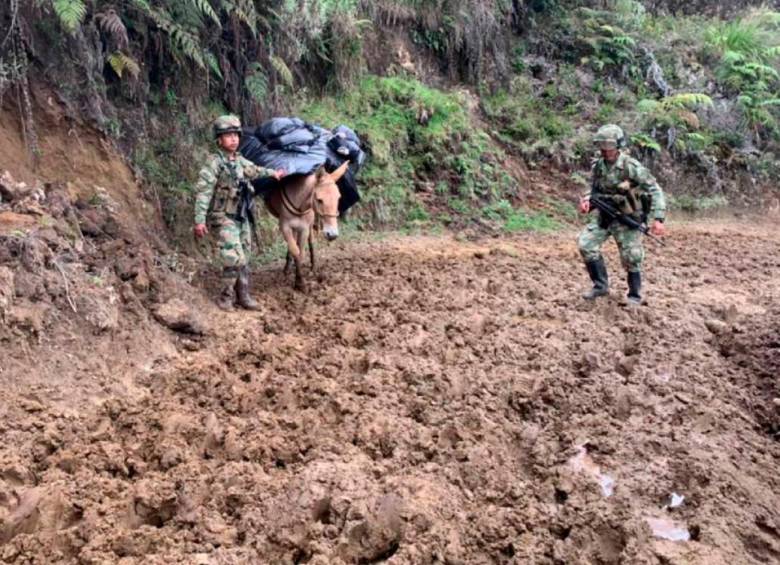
234 241
629 244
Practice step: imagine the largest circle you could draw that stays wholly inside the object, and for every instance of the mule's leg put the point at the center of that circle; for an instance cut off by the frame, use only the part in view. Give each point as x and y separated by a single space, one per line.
311 251
287 262
294 250
299 282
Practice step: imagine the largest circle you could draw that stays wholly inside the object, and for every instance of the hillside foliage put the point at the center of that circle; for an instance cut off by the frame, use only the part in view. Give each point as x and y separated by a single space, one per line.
696 86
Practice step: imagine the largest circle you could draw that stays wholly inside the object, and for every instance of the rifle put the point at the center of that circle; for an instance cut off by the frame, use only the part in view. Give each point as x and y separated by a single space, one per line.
627 221
246 208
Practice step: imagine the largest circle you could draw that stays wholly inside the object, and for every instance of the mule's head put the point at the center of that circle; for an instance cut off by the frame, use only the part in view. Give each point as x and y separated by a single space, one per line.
326 200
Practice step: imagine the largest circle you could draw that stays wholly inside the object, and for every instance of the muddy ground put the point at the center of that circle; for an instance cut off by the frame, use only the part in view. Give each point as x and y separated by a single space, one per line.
428 401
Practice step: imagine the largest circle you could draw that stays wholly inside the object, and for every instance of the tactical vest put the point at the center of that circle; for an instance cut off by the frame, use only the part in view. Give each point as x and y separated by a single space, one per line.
614 185
226 197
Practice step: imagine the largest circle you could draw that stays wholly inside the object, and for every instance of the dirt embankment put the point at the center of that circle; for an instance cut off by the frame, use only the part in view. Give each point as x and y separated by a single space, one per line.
429 401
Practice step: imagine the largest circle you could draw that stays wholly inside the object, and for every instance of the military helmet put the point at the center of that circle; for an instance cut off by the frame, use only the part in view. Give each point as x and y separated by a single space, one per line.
610 135
227 124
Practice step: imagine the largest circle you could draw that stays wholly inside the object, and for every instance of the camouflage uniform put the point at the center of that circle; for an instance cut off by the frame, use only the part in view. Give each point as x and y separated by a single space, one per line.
622 184
217 198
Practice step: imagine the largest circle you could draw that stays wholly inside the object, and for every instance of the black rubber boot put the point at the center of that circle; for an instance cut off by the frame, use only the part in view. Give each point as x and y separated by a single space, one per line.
242 291
635 288
226 292
598 274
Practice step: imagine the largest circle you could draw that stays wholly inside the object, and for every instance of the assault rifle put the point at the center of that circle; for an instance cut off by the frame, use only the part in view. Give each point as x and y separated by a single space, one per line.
628 221
246 208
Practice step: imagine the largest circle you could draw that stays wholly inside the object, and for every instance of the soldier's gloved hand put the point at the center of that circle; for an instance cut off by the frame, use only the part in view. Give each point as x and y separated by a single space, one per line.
200 230
584 205
657 229
279 174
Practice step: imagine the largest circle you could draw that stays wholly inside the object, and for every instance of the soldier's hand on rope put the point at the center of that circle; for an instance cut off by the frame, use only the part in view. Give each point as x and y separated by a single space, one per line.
279 174
200 230
584 204
657 229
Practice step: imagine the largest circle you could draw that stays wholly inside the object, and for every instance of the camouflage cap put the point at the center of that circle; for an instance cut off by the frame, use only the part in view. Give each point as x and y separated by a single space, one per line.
227 124
610 135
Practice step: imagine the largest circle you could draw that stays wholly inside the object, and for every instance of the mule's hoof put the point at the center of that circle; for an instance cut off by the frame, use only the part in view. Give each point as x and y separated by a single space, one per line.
300 286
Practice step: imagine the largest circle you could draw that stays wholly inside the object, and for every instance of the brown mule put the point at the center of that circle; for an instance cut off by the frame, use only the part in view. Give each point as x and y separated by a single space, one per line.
297 204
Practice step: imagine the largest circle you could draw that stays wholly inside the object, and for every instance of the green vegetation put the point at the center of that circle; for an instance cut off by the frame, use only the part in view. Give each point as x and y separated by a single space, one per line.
515 220
692 204
423 145
522 221
520 85
748 53
534 122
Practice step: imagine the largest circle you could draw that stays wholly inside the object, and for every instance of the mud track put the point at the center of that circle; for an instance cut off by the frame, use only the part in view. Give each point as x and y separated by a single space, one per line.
433 401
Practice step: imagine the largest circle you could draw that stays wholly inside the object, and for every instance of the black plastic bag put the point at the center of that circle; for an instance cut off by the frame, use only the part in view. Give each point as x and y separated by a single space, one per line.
300 149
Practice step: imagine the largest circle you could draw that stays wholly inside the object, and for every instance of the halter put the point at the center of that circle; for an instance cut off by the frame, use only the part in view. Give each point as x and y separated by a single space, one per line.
312 204
294 210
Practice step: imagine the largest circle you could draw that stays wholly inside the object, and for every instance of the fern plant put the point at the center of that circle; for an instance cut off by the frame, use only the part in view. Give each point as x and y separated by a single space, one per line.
121 64
609 47
282 70
70 13
112 25
676 118
256 83
748 54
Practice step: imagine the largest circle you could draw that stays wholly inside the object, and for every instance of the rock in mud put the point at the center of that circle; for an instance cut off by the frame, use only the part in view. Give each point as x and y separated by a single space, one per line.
23 517
377 536
717 327
180 317
26 285
215 435
6 291
28 317
154 503
589 363
626 364
100 308
10 190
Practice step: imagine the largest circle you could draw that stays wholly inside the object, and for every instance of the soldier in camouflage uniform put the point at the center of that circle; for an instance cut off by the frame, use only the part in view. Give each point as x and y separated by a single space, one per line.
624 183
217 197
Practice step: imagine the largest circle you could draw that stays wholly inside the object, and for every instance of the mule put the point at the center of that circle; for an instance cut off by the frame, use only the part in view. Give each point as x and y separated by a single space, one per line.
297 204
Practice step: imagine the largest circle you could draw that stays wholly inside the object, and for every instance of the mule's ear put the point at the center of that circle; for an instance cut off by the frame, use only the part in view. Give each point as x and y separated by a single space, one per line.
336 175
320 173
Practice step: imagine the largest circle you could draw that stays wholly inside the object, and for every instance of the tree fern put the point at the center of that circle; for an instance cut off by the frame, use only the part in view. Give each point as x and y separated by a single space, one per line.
205 8
648 106
120 63
644 141
256 83
182 39
70 13
112 25
690 100
244 10
189 45
212 63
282 70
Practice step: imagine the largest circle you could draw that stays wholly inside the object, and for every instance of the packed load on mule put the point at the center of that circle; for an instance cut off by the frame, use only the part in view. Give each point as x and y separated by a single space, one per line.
300 148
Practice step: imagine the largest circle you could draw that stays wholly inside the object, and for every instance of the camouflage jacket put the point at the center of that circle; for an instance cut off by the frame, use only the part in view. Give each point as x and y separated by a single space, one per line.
217 190
624 183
